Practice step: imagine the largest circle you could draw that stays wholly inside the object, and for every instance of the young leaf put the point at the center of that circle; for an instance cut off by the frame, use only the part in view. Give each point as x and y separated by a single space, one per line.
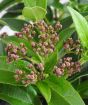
33 3
64 35
45 90
81 26
35 13
50 62
63 90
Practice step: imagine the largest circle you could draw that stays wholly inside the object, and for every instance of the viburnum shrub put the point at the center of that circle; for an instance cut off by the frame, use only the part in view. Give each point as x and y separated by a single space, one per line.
37 47
47 38
43 62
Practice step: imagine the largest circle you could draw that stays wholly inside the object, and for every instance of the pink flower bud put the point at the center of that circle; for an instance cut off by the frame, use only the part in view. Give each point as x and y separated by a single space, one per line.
17 78
30 66
40 66
19 72
32 77
58 72
66 46
33 44
67 64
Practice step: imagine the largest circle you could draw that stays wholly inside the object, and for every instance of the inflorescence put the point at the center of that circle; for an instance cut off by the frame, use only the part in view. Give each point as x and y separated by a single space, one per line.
67 66
72 45
42 39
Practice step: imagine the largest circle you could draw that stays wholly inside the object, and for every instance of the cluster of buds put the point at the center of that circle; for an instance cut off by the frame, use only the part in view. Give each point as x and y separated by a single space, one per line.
41 36
39 68
3 35
58 26
25 78
36 73
67 66
15 52
72 45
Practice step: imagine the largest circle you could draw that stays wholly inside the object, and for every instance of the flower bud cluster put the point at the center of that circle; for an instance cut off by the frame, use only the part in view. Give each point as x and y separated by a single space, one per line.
39 67
46 36
25 78
67 66
72 45
15 52
58 26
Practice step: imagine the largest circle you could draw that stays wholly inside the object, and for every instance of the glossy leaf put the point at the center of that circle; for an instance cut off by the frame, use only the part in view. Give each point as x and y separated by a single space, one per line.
6 3
64 35
45 90
33 95
64 93
82 88
50 62
6 72
67 21
57 99
5 65
16 95
14 24
7 77
34 13
33 3
81 26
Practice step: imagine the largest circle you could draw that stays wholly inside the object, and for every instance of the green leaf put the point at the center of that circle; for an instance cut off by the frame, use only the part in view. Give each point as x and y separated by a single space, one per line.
33 3
7 77
45 90
15 95
82 88
83 1
64 35
7 72
2 49
6 3
48 62
57 99
5 65
33 95
67 21
14 24
81 26
64 93
35 13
